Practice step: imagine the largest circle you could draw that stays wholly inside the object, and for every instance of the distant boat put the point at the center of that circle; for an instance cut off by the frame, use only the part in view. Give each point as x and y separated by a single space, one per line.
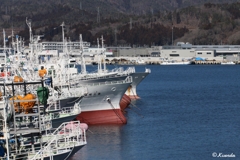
227 63
140 61
88 63
174 62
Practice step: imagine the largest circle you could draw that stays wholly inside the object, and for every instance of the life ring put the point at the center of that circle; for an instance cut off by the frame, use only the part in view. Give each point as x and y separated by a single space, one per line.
2 74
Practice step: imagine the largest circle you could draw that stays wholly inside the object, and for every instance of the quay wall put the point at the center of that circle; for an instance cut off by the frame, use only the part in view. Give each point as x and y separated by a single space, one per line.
155 60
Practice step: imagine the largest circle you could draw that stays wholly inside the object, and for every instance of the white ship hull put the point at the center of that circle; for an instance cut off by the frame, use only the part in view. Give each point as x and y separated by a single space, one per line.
131 92
101 104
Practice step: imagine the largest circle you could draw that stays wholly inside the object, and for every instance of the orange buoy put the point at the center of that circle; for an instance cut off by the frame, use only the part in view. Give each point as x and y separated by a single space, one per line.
17 79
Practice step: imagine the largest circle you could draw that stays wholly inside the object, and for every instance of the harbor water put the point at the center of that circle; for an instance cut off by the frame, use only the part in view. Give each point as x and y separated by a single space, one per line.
185 112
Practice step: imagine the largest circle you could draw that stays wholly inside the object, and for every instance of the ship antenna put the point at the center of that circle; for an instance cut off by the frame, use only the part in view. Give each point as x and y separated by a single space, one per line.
5 128
83 64
12 36
29 23
4 50
63 25
99 59
103 54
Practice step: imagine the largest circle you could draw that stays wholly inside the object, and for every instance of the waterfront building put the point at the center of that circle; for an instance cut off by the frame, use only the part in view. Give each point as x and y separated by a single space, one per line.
182 51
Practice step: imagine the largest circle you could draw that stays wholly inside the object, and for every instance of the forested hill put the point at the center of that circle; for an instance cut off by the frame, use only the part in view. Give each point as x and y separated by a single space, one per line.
126 22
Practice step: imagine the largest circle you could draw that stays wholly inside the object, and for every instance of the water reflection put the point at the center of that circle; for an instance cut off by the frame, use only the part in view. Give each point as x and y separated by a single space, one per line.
101 140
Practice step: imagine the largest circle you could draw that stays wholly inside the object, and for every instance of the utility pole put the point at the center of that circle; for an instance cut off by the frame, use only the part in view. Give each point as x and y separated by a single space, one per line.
98 15
130 23
6 10
80 7
63 25
115 35
172 34
172 29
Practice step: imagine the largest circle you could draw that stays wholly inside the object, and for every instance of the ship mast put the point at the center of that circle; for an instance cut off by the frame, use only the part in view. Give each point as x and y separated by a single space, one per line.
29 24
4 51
103 54
83 64
63 25
99 59
5 128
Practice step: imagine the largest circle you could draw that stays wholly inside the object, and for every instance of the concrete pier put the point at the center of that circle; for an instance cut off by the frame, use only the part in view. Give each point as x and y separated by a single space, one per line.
150 61
206 62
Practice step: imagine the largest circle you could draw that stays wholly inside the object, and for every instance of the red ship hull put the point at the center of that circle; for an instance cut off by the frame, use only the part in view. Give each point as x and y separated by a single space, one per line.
114 116
125 102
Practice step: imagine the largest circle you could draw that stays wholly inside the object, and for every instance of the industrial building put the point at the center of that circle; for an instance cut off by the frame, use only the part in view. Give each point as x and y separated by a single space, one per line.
182 51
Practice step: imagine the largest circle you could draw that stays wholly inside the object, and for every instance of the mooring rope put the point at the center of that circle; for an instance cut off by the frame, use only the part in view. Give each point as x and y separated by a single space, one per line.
109 101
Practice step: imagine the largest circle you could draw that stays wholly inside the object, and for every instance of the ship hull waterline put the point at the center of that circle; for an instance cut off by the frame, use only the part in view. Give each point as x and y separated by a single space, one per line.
114 116
102 104
125 102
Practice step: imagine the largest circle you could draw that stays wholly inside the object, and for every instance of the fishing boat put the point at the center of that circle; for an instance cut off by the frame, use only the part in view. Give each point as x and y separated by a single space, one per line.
102 103
227 63
125 102
174 62
137 78
140 61
22 117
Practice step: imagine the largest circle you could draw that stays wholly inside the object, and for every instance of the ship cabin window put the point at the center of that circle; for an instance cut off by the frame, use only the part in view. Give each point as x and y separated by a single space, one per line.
72 61
71 66
174 55
51 72
208 52
199 53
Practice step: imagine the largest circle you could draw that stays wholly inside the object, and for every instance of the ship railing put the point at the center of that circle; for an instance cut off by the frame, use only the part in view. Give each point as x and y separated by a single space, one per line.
77 83
56 111
13 157
30 74
45 123
76 109
119 69
77 91
67 127
72 89
53 104
95 76
63 137
127 80
128 71
67 94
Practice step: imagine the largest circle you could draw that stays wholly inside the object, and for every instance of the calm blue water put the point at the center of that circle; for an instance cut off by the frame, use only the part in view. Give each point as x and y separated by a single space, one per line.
185 112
